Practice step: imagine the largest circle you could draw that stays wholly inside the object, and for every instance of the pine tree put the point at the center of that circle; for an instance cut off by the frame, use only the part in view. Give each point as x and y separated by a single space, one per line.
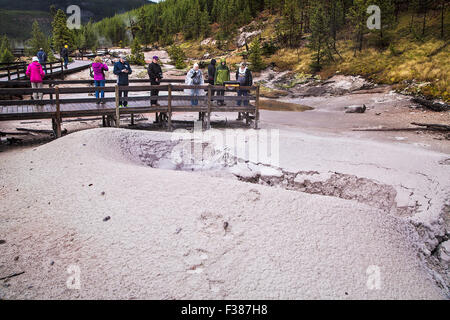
6 55
255 55
137 56
62 35
39 40
387 17
289 28
89 38
204 23
358 19
177 57
421 8
320 35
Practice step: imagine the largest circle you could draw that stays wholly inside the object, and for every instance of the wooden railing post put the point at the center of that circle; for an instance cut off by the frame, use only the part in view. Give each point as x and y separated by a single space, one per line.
117 106
169 106
58 113
51 94
257 107
9 74
208 117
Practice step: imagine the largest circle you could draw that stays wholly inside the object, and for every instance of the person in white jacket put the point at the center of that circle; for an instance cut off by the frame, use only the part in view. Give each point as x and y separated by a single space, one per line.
194 78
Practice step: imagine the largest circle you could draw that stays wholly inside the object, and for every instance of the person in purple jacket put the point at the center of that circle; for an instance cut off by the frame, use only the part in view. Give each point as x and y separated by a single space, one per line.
99 69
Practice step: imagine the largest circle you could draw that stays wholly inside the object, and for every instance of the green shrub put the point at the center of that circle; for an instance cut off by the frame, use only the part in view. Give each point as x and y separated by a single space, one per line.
177 57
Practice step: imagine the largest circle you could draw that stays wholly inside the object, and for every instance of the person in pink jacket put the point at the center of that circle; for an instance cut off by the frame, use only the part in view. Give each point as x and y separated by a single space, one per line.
36 75
99 69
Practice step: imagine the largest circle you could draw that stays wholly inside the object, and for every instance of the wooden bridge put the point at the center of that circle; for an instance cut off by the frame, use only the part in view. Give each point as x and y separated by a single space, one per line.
171 100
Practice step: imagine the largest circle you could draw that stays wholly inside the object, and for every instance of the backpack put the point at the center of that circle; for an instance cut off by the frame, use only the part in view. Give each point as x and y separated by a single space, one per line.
196 80
91 72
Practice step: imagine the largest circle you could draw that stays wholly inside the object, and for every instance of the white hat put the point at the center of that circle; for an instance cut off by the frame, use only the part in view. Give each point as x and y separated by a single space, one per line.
35 59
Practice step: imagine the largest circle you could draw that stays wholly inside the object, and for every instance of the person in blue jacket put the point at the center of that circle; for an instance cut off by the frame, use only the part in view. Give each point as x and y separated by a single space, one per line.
42 56
122 69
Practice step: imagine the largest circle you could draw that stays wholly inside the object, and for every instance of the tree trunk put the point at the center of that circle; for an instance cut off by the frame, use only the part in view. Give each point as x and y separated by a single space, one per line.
360 41
318 53
424 23
442 18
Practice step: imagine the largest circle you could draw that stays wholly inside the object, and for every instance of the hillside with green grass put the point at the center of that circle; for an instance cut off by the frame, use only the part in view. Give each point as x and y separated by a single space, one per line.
412 62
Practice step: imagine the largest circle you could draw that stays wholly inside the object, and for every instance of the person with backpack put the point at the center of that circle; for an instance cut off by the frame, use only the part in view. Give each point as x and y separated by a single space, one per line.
36 75
99 68
65 55
42 56
194 78
245 79
122 70
222 75
155 74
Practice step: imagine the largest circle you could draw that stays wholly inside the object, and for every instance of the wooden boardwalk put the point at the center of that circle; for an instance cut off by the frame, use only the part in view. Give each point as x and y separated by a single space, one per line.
17 72
171 100
48 111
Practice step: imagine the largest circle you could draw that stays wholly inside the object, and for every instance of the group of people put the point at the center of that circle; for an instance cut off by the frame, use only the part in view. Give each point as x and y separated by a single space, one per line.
217 76
122 70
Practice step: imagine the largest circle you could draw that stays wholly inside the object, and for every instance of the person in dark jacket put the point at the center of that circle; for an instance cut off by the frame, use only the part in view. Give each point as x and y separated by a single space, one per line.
155 75
42 56
65 55
212 73
245 79
122 69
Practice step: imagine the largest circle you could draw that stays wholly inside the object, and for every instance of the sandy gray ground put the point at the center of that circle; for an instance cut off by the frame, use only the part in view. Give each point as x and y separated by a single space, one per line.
384 210
167 237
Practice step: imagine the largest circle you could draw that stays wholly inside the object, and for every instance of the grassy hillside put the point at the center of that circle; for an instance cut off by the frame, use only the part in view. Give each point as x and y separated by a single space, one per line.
419 65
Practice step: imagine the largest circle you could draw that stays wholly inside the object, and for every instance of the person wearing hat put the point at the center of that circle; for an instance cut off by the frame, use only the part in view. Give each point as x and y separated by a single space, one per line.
194 78
36 75
245 79
122 70
65 55
222 75
42 56
155 75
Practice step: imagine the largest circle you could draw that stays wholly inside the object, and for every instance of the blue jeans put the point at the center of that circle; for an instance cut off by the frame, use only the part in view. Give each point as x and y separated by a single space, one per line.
242 93
66 61
100 83
194 102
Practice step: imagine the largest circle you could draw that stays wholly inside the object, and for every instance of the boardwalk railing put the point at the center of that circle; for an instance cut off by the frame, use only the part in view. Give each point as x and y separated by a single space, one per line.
18 52
83 53
18 70
172 99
